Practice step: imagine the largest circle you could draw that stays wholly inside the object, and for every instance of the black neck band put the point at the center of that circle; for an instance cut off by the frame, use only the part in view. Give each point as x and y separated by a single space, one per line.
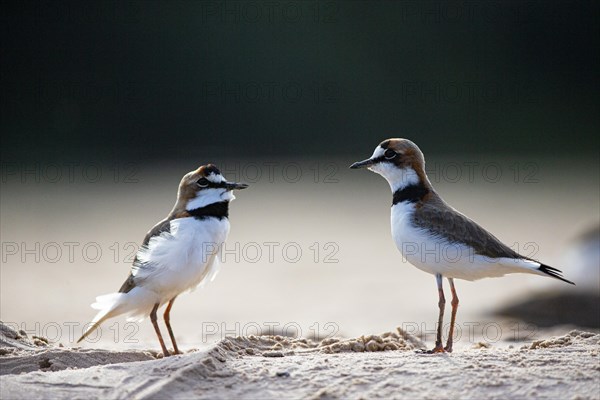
411 193
218 210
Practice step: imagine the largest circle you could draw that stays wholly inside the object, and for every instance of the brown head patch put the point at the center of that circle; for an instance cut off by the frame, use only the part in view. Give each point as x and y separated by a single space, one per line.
408 155
188 187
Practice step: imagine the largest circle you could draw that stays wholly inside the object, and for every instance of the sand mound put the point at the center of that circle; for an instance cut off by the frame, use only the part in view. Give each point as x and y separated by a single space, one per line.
281 346
11 339
571 338
21 354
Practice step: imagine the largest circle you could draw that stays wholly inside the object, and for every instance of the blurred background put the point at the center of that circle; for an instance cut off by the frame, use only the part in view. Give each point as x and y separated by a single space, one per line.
105 105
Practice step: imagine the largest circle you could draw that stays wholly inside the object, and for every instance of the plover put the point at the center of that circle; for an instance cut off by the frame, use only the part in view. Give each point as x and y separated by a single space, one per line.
435 237
177 254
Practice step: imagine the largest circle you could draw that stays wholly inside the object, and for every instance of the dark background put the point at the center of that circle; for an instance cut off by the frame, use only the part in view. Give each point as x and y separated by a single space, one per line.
168 80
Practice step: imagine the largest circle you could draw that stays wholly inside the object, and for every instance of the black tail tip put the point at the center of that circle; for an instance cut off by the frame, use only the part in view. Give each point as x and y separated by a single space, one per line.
554 272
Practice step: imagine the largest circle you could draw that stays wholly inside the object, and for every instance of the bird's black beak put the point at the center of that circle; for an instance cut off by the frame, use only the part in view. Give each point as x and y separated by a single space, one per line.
362 164
235 186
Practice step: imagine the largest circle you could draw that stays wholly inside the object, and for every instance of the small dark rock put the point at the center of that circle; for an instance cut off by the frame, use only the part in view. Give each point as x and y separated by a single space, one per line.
273 354
45 364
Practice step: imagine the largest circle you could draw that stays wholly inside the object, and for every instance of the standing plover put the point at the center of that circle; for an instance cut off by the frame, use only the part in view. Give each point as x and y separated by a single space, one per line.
177 254
436 238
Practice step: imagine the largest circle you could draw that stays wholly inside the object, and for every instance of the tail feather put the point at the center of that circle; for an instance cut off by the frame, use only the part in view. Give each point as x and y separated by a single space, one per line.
110 305
94 326
553 272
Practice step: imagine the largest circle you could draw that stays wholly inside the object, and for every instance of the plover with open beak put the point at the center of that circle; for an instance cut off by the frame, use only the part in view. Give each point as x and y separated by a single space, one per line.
435 237
178 254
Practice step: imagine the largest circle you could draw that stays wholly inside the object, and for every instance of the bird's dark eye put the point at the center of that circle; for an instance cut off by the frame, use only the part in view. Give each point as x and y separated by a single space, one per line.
389 154
202 182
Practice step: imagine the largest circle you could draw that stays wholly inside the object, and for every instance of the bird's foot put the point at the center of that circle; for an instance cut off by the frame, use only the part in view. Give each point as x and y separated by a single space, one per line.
437 349
166 353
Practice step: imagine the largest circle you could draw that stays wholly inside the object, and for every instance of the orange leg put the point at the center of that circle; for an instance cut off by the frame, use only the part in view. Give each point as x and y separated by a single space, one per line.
439 347
167 316
157 329
454 303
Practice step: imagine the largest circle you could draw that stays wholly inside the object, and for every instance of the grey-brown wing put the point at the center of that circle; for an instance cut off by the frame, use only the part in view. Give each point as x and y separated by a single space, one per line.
444 221
128 284
162 226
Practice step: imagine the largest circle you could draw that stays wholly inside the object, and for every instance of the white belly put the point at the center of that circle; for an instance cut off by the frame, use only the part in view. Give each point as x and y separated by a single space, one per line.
182 259
435 255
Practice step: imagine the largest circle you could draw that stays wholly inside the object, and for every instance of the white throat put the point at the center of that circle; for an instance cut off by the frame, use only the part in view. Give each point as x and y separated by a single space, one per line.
209 196
398 178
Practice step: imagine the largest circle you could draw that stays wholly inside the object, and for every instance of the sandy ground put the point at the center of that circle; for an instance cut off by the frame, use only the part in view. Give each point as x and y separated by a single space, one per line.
376 366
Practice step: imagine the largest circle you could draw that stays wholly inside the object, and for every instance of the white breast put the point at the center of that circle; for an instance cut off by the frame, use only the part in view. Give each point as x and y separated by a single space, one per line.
410 240
435 255
182 259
